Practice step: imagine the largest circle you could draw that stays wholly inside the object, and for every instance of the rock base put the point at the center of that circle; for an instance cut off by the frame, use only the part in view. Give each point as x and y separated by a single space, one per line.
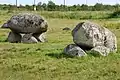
26 38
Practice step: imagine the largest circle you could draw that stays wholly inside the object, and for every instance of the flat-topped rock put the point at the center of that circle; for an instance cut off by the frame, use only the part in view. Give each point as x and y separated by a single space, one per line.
26 23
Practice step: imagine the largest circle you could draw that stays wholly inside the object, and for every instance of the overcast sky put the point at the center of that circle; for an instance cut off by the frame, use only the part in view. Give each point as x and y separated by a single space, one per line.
68 2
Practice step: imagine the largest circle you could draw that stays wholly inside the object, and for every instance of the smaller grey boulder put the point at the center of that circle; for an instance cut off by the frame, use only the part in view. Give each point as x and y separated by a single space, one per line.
101 50
66 29
40 37
74 50
14 37
28 38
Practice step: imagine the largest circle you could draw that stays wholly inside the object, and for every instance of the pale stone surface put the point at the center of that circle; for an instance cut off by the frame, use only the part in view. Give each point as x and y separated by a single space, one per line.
14 37
28 38
74 50
101 50
41 37
89 35
110 40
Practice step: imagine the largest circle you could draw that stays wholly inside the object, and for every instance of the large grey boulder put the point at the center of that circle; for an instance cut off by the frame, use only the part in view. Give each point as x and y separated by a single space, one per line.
28 38
26 23
74 50
89 35
14 37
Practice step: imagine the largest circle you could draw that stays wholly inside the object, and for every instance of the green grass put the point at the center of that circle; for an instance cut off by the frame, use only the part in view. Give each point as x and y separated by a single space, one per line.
45 61
69 14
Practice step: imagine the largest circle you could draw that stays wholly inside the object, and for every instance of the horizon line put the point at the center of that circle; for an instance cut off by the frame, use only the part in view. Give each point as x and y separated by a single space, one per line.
60 4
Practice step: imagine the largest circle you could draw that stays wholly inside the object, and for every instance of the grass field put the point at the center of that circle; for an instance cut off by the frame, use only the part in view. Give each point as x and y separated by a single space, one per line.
45 61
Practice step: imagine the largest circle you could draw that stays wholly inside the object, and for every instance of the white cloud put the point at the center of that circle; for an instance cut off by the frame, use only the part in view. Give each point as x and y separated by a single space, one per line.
4 1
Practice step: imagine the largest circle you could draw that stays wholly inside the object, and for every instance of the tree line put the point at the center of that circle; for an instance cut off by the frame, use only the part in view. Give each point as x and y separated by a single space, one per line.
51 6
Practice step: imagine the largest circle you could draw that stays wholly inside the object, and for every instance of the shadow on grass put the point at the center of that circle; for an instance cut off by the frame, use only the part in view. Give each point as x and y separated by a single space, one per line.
58 55
62 55
93 53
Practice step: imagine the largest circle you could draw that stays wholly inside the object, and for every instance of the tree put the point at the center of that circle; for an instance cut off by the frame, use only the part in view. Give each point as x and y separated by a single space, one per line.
78 8
44 6
98 6
39 4
51 6
28 7
84 7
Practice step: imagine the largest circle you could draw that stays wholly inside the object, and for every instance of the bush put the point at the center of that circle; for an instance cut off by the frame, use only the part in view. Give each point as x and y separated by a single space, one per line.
115 14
